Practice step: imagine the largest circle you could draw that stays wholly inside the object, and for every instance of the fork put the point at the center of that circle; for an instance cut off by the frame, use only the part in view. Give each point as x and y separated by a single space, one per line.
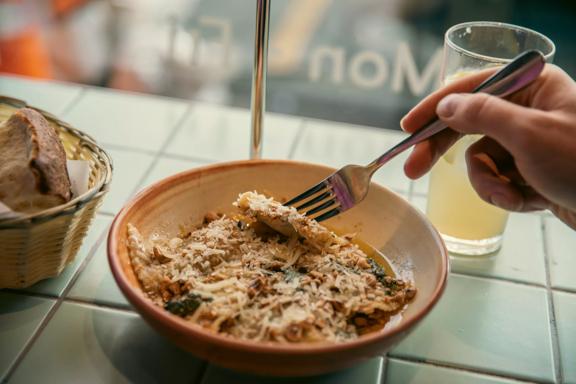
349 185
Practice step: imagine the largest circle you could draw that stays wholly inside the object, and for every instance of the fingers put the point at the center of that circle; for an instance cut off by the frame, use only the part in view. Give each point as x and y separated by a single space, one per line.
425 154
564 214
489 186
515 127
495 178
546 91
424 111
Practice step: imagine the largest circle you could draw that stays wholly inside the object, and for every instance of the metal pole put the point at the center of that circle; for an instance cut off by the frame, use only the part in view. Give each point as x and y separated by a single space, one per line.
258 103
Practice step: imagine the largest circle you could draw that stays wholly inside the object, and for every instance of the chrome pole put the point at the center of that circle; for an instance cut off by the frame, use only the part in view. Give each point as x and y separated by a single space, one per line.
258 102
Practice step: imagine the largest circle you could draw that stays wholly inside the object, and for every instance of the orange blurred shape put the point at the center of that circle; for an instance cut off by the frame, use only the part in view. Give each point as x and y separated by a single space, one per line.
62 8
23 50
25 53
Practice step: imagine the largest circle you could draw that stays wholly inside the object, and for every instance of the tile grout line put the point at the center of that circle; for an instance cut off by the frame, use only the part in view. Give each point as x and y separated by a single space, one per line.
496 278
384 371
354 126
160 152
411 191
297 139
157 155
563 290
72 103
199 377
154 161
555 339
112 306
39 295
128 148
58 302
456 367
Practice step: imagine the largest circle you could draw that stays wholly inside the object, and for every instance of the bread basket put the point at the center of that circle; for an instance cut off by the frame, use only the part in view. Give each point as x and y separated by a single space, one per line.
37 246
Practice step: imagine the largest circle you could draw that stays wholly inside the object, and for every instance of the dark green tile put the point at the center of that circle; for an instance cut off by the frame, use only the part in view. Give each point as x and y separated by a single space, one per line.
20 316
369 372
404 372
84 344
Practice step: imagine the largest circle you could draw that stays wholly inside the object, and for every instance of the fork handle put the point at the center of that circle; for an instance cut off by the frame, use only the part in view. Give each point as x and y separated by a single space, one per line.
517 74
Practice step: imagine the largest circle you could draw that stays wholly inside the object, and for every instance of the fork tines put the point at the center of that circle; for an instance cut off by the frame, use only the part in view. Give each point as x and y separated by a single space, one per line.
320 198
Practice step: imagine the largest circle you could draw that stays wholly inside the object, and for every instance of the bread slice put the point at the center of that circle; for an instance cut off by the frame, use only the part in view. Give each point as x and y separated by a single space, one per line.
33 173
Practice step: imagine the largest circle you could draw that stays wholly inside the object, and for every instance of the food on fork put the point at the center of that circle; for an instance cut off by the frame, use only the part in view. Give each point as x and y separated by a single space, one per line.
33 173
236 276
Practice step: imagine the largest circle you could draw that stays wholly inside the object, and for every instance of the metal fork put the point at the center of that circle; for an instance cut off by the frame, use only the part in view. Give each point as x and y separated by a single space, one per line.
349 185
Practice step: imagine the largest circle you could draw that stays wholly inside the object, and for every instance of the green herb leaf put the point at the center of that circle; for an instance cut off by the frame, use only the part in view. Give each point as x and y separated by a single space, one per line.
185 305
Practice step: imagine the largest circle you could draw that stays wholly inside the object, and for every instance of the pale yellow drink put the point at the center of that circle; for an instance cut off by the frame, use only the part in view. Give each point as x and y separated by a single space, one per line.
468 225
455 208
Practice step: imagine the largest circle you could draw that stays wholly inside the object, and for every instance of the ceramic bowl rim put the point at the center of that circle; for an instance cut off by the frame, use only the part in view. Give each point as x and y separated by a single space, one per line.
179 325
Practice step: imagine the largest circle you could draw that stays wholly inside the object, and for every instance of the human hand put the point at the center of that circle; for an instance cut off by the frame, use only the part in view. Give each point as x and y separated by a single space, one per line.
527 159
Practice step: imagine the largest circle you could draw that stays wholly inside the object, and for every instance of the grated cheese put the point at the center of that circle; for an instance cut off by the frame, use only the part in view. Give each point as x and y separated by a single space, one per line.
230 278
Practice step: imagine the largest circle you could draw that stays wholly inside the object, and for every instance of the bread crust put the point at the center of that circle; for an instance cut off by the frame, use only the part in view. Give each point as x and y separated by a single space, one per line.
43 157
47 157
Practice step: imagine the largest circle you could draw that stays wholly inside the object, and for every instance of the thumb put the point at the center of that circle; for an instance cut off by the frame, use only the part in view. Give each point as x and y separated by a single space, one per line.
479 113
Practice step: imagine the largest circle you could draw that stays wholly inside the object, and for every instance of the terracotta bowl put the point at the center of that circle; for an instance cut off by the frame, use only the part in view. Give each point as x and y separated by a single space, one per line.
384 220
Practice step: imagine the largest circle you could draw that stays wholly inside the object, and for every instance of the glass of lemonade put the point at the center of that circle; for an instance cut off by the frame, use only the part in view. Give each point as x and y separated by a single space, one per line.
469 225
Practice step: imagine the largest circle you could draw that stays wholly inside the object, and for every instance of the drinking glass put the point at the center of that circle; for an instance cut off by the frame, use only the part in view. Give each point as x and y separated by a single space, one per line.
469 225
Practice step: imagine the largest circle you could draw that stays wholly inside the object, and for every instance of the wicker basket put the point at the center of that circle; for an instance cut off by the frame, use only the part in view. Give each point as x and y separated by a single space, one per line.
40 245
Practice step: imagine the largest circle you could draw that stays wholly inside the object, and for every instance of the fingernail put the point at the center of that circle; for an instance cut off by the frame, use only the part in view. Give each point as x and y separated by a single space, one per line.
448 105
402 123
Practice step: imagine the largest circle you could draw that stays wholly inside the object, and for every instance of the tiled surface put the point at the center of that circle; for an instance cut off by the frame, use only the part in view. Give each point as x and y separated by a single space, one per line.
84 344
476 325
486 329
129 169
405 372
561 242
217 133
20 316
365 373
338 144
565 306
167 167
520 259
51 97
55 286
96 283
126 119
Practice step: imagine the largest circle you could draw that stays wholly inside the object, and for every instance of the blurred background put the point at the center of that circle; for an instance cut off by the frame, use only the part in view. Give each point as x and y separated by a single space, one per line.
364 61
